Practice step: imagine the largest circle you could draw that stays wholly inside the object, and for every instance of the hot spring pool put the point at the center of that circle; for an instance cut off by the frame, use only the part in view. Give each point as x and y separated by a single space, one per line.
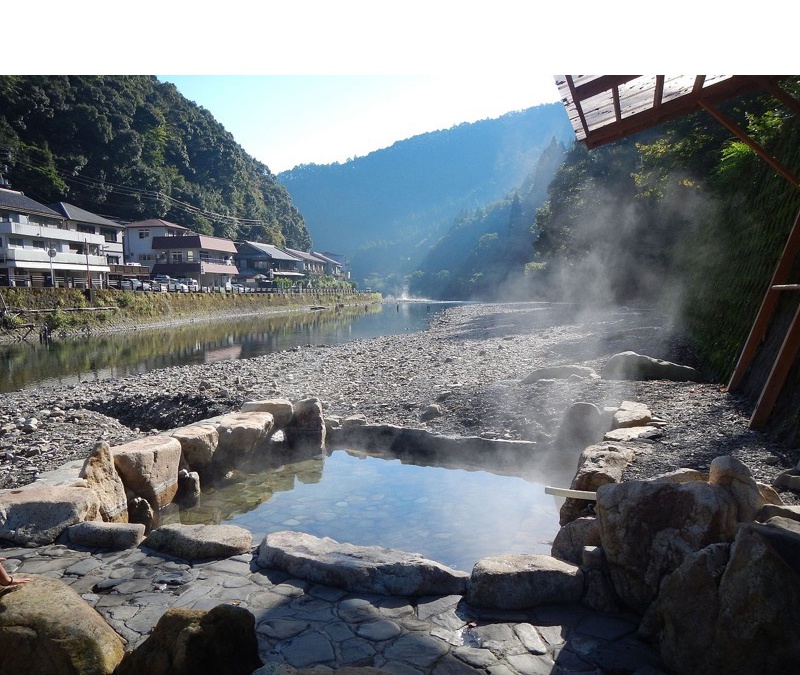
453 516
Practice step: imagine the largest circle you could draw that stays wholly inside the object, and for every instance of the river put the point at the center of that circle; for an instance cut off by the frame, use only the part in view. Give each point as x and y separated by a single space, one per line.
114 355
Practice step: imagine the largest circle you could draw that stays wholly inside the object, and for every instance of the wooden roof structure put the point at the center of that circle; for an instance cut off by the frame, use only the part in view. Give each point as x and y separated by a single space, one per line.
607 108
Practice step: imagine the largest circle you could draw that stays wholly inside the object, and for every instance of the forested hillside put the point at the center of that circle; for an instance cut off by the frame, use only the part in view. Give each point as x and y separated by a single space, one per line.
484 253
385 210
134 148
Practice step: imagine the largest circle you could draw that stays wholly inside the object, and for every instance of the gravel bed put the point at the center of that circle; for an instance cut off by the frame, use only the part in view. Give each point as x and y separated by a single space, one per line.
470 363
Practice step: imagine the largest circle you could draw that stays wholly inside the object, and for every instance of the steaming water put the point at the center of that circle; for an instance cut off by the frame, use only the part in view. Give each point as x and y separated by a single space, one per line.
450 515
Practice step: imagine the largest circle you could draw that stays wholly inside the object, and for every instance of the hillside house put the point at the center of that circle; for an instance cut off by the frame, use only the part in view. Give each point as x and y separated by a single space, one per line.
40 247
265 262
138 239
208 260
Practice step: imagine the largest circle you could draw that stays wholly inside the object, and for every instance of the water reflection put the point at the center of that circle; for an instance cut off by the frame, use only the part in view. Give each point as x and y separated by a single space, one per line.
450 515
134 352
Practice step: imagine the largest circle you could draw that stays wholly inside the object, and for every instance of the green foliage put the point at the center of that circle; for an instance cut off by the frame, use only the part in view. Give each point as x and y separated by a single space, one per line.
134 148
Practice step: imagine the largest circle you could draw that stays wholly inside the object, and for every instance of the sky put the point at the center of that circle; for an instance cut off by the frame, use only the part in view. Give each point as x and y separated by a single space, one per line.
284 121
300 81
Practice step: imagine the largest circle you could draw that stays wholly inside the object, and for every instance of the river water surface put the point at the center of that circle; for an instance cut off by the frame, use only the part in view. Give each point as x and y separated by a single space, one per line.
119 354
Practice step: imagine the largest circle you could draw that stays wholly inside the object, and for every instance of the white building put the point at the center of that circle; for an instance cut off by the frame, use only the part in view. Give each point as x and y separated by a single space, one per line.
138 240
37 245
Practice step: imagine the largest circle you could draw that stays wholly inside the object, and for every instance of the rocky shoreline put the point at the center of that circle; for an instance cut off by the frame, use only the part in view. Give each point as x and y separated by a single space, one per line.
517 376
462 376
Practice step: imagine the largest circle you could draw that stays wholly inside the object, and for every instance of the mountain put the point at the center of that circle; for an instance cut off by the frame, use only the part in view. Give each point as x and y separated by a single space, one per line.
132 147
484 253
385 210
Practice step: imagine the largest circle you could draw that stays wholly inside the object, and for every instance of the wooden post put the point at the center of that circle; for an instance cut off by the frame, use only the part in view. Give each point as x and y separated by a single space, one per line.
768 305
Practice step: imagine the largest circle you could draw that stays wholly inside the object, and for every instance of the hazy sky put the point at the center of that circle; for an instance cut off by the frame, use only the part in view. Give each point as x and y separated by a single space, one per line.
284 121
299 81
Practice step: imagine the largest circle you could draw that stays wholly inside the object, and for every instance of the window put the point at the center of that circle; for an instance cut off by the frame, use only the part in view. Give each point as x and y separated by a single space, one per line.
145 257
189 256
109 235
85 229
205 256
144 234
39 243
177 257
15 242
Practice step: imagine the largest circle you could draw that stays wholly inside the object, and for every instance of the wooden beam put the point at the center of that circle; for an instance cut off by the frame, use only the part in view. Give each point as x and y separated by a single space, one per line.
698 84
737 131
658 94
577 103
669 110
768 305
599 85
778 374
770 85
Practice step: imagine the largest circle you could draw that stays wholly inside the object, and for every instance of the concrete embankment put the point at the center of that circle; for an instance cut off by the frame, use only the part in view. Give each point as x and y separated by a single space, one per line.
66 310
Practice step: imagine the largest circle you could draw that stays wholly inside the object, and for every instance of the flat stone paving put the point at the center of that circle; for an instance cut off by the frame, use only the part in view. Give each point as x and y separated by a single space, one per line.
305 625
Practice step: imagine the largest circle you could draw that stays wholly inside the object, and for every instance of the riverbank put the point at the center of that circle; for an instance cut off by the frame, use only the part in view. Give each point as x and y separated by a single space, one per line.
68 312
469 363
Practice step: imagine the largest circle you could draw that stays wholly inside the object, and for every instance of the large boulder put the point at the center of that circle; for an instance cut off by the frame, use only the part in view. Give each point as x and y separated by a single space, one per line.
633 366
195 542
647 528
221 640
241 435
198 443
733 609
149 468
572 538
523 581
307 427
758 629
281 409
682 620
46 628
100 475
582 424
599 464
733 475
38 515
361 569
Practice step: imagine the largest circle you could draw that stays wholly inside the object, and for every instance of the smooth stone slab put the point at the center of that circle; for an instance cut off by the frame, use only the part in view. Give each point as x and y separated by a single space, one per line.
633 366
149 467
523 581
113 536
281 409
38 515
365 569
195 542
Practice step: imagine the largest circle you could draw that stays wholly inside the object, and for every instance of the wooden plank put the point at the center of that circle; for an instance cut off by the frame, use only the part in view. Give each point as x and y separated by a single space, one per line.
768 306
568 492
778 374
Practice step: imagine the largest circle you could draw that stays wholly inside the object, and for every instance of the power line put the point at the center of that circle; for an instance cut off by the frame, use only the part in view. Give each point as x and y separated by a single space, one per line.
130 191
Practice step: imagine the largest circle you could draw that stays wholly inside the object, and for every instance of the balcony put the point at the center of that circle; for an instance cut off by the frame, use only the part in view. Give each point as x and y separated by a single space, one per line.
52 233
34 258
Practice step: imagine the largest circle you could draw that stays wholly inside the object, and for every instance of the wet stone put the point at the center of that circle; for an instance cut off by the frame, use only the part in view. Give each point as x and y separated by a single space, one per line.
478 658
418 649
356 652
530 664
530 638
379 630
307 650
84 567
178 578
